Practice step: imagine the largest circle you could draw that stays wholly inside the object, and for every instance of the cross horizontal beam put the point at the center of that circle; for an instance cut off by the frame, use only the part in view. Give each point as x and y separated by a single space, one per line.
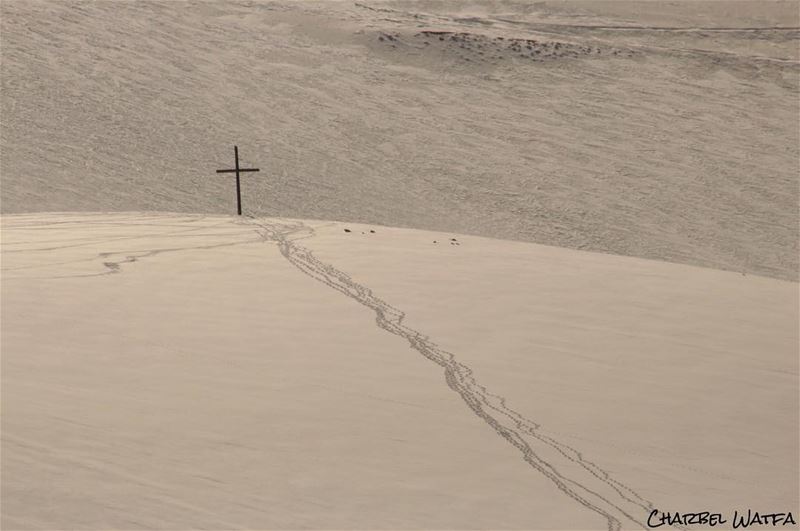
239 170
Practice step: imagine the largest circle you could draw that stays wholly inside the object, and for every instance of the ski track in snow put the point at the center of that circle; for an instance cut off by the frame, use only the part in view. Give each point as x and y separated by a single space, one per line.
616 504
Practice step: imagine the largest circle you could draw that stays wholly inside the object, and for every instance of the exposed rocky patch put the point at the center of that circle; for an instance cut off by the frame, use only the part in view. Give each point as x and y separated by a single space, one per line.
474 47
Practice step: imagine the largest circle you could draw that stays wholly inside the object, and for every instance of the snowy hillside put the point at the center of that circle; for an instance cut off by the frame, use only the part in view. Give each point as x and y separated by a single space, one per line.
189 372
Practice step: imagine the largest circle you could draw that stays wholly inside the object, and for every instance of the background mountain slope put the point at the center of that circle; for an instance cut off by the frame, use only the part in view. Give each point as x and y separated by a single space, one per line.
630 128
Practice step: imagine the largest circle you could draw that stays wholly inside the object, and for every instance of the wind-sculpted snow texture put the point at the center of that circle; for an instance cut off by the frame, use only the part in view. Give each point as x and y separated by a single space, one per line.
576 476
667 132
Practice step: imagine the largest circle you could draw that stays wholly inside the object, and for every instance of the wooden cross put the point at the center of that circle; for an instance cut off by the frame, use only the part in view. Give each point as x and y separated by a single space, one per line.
237 170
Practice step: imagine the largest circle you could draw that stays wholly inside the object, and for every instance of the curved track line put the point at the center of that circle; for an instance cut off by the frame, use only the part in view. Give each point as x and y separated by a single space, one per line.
114 266
618 502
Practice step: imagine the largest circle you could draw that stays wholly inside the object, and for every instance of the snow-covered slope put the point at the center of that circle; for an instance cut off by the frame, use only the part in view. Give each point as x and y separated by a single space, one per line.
638 128
424 361
168 371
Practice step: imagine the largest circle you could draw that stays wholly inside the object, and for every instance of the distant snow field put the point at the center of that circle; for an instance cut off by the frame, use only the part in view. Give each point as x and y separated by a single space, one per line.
634 128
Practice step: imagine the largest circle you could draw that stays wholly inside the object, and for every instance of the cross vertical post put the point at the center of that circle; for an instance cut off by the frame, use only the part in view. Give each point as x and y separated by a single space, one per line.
238 189
237 170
